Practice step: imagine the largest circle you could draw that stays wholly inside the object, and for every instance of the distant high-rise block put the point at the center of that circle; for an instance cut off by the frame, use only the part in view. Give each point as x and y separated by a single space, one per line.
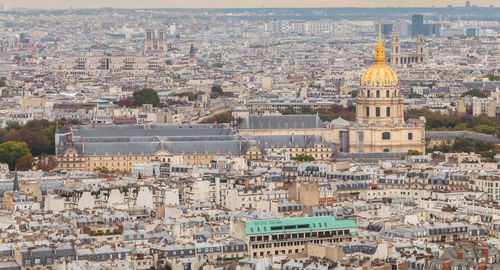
417 25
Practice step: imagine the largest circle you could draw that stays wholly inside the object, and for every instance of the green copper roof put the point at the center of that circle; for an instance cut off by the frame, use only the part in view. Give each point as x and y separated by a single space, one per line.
297 225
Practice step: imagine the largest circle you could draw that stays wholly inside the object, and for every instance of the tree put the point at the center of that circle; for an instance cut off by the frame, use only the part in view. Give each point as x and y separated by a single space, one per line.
13 125
102 170
25 162
224 117
216 91
415 95
11 152
307 110
126 102
413 153
146 96
336 111
474 93
46 163
34 138
288 110
2 83
354 93
302 157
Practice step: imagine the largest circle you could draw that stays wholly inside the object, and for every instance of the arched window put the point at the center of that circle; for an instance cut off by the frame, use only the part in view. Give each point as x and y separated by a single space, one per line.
388 111
367 111
377 111
368 93
386 136
387 93
386 150
378 93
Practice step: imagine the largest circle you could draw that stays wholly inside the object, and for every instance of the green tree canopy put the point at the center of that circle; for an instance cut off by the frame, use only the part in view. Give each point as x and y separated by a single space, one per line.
11 152
288 110
307 110
146 96
474 93
415 95
302 157
216 91
224 117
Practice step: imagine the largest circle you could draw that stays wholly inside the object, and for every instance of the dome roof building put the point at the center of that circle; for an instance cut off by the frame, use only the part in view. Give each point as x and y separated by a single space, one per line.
380 126
379 100
340 122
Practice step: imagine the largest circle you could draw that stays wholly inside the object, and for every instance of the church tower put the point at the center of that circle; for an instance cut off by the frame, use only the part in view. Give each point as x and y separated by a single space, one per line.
420 49
379 99
395 58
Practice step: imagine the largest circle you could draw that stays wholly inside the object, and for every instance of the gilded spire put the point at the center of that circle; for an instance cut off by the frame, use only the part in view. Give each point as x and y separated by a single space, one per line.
379 49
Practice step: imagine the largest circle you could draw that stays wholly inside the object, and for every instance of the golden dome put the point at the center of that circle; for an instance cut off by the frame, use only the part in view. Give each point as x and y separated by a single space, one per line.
379 74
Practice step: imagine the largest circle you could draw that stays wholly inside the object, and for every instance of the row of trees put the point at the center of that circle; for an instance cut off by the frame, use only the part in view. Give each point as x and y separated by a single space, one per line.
485 149
329 114
440 122
224 117
150 96
20 143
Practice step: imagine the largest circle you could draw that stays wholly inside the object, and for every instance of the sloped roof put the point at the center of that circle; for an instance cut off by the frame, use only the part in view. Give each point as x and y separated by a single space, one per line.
299 121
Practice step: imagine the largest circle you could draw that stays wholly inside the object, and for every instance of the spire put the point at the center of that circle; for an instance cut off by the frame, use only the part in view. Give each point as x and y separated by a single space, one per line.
379 49
16 182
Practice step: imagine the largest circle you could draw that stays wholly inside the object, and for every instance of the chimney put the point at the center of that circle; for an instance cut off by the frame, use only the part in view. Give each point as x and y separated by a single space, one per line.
481 266
446 264
460 253
247 183
485 251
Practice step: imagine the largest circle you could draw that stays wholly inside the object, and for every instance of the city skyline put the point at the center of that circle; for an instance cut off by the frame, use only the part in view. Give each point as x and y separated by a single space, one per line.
66 4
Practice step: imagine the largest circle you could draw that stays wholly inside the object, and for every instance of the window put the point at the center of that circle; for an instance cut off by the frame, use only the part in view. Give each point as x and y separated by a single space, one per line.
410 136
386 150
367 111
368 93
388 111
387 93
378 93
377 111
386 136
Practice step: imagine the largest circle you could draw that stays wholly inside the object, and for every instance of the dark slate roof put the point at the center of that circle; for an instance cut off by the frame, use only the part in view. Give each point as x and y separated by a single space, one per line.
88 131
301 121
443 135
200 146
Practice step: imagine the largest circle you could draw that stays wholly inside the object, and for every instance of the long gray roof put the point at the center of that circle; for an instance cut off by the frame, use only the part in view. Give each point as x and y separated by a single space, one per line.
300 121
174 147
88 131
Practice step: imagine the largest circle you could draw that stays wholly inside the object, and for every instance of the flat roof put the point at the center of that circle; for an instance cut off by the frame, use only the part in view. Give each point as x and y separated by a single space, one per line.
297 224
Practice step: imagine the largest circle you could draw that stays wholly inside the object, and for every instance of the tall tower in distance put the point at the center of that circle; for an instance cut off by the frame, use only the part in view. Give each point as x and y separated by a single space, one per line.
417 25
395 47
420 48
155 42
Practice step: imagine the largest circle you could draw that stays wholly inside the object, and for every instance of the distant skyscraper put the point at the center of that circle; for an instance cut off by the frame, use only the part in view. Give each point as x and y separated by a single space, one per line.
417 25
467 4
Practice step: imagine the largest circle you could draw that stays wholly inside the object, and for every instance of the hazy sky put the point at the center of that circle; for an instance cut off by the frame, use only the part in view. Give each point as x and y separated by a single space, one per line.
57 4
